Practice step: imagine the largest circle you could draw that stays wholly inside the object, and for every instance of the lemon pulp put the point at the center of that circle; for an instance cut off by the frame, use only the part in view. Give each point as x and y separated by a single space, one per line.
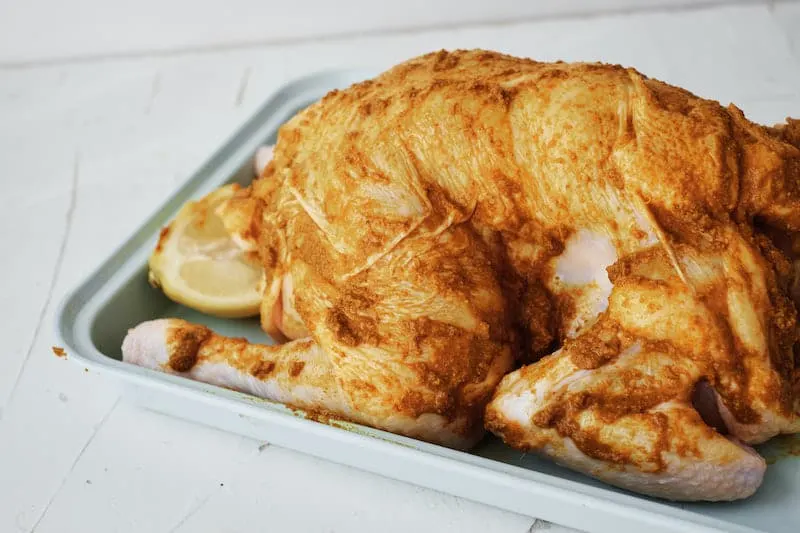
198 264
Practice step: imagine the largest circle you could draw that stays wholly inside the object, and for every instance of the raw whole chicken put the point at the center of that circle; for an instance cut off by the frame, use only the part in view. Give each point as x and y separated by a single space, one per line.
593 265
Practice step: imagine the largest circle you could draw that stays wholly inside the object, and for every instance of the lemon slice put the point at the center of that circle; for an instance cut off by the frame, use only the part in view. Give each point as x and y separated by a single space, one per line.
197 263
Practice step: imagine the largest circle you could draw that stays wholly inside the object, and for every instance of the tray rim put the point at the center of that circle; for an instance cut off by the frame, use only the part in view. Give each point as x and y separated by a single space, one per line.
75 308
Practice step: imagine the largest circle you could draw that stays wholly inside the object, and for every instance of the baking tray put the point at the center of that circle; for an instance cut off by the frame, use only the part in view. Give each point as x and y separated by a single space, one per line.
93 319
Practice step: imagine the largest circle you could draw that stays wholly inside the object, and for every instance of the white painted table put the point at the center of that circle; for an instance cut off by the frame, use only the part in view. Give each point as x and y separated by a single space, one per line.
90 147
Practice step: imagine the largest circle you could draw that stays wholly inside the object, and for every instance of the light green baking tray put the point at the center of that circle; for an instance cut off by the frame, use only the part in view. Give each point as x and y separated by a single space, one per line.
95 316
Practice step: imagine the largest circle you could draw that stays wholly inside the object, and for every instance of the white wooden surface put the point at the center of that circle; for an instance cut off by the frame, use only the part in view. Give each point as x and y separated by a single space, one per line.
89 148
44 30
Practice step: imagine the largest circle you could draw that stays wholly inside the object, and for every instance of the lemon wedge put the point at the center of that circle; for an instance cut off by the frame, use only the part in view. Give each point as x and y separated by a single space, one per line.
197 263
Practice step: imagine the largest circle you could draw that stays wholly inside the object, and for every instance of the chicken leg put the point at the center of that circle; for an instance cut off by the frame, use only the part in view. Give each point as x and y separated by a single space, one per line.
414 345
619 400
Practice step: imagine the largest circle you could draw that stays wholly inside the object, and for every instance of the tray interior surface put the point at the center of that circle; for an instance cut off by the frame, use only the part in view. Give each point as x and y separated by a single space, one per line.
132 300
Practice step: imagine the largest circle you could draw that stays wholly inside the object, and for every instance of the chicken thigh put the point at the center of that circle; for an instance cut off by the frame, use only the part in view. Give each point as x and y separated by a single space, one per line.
609 243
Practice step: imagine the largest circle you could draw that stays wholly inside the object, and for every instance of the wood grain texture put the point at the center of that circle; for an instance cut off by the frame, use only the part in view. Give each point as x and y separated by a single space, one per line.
104 28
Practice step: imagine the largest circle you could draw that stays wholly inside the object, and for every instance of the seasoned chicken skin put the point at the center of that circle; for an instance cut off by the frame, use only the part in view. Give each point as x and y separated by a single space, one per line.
428 231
